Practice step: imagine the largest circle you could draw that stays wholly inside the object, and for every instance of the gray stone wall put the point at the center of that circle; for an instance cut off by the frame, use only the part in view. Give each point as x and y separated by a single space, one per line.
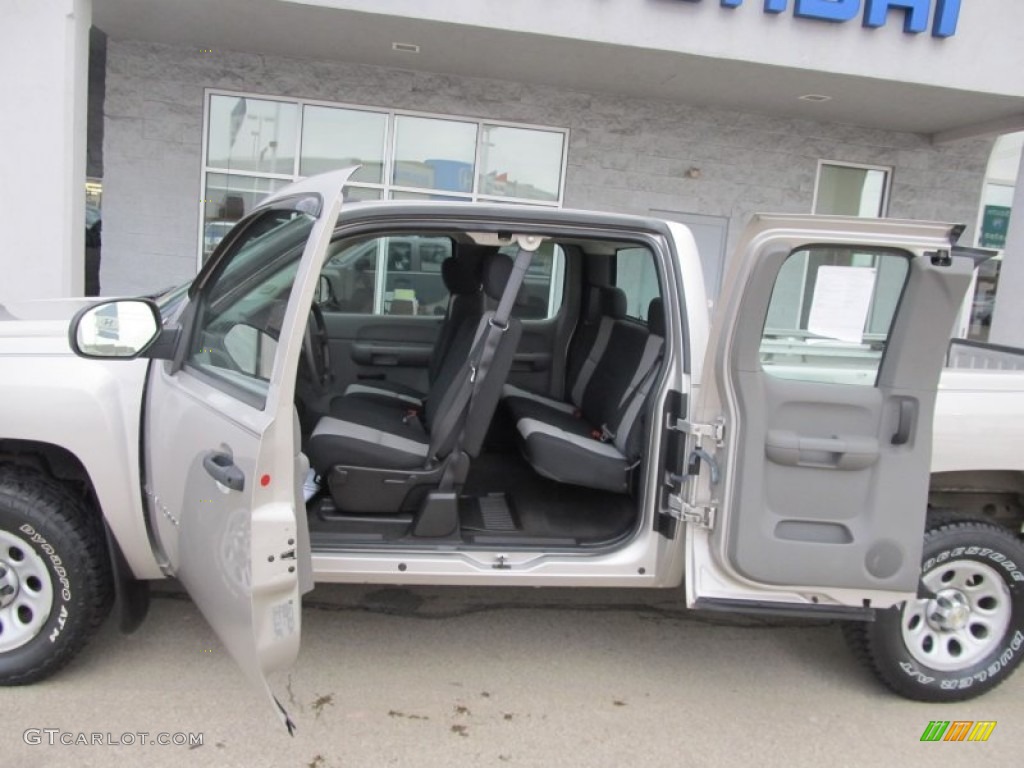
625 154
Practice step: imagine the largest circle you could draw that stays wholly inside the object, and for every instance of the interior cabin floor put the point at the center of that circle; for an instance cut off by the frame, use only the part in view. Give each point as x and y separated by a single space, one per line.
504 503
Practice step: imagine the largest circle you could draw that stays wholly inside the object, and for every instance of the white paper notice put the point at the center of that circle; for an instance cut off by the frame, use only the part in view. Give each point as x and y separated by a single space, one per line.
842 297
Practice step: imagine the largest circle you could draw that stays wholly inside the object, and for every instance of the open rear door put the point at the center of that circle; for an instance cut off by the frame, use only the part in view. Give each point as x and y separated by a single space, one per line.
814 415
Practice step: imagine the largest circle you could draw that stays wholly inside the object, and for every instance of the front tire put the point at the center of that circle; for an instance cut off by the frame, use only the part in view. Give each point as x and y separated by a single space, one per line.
968 636
55 581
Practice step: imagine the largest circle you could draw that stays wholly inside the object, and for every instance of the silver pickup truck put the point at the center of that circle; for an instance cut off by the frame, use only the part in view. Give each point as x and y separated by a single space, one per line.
249 438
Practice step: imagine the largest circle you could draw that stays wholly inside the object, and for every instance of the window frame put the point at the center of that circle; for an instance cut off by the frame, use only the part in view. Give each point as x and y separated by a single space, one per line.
386 188
869 338
251 390
886 188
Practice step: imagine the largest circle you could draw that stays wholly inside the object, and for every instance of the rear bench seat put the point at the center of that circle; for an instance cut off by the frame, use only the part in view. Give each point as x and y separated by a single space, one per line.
594 440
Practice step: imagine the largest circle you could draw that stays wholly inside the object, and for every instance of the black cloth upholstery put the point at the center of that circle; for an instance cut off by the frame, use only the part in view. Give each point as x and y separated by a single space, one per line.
367 434
363 433
656 317
595 439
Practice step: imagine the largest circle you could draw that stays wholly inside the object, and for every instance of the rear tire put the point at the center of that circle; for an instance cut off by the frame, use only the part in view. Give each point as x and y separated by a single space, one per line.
55 581
966 639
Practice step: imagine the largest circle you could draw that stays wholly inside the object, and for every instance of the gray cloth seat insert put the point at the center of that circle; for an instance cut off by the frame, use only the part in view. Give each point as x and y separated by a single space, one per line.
596 444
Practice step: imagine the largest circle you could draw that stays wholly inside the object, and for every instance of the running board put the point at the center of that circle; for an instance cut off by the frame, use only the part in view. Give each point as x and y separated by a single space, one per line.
789 610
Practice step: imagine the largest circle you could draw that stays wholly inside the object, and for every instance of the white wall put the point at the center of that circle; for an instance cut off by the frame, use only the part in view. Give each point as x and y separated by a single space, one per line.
625 154
984 55
44 50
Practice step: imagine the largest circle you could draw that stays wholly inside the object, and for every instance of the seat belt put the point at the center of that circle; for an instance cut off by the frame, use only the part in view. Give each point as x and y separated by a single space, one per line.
451 423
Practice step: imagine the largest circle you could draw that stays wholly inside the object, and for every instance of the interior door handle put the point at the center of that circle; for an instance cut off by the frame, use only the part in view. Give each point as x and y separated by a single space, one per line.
852 452
906 420
221 467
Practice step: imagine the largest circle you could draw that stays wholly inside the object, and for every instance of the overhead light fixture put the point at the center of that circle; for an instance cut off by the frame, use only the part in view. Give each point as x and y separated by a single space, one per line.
405 47
815 97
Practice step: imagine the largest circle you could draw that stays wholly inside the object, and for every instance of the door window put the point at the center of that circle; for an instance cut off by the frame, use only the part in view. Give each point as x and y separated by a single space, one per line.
241 307
637 276
831 311
401 275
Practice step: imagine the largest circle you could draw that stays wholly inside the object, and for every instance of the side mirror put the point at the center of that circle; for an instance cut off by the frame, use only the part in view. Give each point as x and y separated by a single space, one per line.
122 328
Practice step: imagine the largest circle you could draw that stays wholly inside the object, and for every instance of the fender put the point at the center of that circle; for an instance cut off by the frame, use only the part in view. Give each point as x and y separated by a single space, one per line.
90 408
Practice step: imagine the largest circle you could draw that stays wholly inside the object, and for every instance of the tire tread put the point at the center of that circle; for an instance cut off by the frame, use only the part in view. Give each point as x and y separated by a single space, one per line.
53 502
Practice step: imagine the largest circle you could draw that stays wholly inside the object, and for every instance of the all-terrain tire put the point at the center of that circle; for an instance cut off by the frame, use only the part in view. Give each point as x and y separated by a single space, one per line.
56 586
967 638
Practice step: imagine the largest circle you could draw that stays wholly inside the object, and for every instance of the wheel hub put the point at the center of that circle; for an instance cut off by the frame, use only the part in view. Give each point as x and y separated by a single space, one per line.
9 584
26 592
949 611
964 622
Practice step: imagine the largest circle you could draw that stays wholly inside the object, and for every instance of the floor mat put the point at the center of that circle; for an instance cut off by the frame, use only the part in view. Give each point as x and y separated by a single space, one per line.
543 508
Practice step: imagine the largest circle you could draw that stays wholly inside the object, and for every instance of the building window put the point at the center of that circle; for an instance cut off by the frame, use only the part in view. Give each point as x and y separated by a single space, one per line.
845 189
842 189
256 145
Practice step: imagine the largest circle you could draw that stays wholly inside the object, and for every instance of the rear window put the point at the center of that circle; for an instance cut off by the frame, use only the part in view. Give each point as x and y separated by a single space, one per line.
637 276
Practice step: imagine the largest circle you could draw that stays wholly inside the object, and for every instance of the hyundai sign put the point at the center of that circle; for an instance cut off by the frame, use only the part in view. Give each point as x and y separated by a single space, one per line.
875 13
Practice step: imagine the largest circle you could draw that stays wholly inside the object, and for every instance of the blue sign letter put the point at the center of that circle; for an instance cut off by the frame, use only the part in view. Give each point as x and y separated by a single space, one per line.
947 12
915 21
770 6
827 10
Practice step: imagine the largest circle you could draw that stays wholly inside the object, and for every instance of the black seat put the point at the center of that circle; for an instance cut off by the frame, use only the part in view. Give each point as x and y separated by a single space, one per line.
597 443
605 305
373 454
461 275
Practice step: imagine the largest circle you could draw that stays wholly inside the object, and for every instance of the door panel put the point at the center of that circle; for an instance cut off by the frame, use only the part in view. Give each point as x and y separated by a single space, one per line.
222 464
234 551
826 452
380 347
531 366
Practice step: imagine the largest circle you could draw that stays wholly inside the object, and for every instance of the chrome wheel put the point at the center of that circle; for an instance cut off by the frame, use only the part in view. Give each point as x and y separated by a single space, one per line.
964 622
26 592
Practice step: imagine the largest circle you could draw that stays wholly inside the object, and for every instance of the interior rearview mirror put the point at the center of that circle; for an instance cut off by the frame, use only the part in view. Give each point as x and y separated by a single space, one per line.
121 328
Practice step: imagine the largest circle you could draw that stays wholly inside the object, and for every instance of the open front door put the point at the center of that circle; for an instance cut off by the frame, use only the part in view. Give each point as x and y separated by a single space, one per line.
815 410
223 464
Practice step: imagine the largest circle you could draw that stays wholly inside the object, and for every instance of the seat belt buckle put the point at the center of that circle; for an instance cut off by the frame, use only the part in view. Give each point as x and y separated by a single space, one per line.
410 414
606 435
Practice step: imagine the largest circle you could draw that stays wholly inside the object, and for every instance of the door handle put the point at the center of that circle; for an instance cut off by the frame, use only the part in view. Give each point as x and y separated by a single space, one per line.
853 452
906 419
221 467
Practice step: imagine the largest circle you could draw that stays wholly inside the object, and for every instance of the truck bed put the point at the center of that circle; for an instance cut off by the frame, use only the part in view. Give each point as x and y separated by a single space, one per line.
984 432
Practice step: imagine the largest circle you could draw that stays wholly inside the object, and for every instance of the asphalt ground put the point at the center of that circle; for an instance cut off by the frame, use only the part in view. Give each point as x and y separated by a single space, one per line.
477 677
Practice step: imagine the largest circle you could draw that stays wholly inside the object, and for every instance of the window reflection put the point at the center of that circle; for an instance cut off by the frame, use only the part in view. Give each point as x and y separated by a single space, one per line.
434 154
251 134
228 199
520 162
338 138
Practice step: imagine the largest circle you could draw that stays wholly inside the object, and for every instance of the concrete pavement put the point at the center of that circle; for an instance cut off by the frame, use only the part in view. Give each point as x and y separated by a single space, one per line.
474 677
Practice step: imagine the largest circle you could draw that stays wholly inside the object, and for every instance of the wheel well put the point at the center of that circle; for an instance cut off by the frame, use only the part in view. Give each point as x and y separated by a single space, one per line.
132 596
996 496
53 460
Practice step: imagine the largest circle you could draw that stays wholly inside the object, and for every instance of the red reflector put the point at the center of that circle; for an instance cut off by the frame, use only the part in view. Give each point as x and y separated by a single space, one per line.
265 481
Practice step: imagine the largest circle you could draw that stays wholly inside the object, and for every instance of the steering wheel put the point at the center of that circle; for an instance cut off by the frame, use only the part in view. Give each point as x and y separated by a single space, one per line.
316 350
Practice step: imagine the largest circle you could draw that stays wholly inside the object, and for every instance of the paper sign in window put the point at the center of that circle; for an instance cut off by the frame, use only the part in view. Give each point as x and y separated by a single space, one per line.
842 298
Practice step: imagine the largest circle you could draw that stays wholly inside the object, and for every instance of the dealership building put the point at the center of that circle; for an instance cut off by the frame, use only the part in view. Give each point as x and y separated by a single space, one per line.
167 120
